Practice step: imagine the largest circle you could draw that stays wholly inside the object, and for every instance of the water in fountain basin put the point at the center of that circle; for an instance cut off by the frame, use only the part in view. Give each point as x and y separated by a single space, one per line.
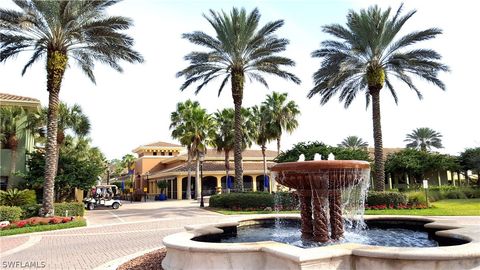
289 232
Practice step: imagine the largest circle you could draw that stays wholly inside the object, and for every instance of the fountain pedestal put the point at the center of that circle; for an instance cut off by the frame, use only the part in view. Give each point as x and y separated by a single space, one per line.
319 185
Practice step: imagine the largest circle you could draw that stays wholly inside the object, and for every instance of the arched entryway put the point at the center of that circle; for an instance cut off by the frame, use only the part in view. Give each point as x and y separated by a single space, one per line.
247 183
184 187
225 185
209 184
262 185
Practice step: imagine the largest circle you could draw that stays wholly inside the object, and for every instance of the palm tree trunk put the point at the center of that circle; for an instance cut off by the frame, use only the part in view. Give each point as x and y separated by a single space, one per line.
278 144
198 181
227 168
379 174
264 164
56 65
237 93
189 177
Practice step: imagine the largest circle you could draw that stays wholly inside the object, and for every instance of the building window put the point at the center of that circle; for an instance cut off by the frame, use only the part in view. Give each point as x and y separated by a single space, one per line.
162 153
3 182
170 153
154 153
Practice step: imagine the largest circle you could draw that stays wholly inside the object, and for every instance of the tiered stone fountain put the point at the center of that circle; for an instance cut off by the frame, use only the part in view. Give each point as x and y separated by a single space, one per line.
330 192
320 184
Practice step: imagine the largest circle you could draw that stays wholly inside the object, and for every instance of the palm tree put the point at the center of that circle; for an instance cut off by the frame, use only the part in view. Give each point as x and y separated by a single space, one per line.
202 129
266 130
14 122
59 31
353 142
69 119
283 114
179 122
72 119
127 162
368 54
224 139
424 139
240 49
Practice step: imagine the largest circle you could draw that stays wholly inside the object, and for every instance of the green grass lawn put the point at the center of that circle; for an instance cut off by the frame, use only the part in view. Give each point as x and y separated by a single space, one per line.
468 207
79 222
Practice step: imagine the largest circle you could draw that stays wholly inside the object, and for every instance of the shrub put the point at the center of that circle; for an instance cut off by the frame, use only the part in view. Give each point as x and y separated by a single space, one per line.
10 213
435 195
386 198
455 194
74 209
244 200
416 197
471 192
286 200
15 197
30 210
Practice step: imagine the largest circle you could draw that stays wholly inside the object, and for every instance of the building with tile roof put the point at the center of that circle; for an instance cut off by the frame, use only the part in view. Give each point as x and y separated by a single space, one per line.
26 141
163 161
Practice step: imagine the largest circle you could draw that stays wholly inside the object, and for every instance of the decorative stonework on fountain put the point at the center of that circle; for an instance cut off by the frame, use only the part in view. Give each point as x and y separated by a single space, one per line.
320 184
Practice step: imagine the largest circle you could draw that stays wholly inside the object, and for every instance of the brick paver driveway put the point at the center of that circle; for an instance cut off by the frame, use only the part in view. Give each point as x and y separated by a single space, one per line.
110 235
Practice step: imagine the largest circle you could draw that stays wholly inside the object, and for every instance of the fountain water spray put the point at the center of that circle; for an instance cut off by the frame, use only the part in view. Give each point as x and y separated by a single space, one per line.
329 191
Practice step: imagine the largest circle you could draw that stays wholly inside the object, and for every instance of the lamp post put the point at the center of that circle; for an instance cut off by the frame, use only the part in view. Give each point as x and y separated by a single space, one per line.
201 157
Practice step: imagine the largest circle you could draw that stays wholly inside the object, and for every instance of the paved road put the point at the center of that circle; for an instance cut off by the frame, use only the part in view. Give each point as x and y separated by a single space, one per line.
110 235
145 211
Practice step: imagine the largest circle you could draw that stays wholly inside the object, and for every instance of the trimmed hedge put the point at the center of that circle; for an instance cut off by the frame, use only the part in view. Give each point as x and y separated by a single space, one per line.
386 198
286 201
255 201
244 200
74 209
10 213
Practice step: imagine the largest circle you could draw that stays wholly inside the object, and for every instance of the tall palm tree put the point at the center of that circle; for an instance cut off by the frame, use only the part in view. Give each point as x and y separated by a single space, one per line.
202 129
353 142
240 49
266 131
14 122
62 31
283 114
424 139
366 56
179 123
224 139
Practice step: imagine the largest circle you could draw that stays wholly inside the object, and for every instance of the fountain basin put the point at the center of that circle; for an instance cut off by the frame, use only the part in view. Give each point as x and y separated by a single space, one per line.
185 253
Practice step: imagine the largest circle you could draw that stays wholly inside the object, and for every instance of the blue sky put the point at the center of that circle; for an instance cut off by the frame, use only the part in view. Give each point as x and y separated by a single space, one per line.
133 108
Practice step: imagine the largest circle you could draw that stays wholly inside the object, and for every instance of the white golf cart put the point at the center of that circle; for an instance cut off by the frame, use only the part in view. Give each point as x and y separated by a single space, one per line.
102 195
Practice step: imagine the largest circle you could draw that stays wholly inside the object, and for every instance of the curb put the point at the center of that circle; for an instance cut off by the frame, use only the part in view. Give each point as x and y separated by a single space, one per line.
114 264
32 240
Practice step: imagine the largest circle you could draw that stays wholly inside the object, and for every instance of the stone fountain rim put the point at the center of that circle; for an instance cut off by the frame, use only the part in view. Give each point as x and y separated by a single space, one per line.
314 165
449 228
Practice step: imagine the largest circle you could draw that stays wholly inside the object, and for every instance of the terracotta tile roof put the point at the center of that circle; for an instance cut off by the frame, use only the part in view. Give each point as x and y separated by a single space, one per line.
213 153
9 99
162 144
214 166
